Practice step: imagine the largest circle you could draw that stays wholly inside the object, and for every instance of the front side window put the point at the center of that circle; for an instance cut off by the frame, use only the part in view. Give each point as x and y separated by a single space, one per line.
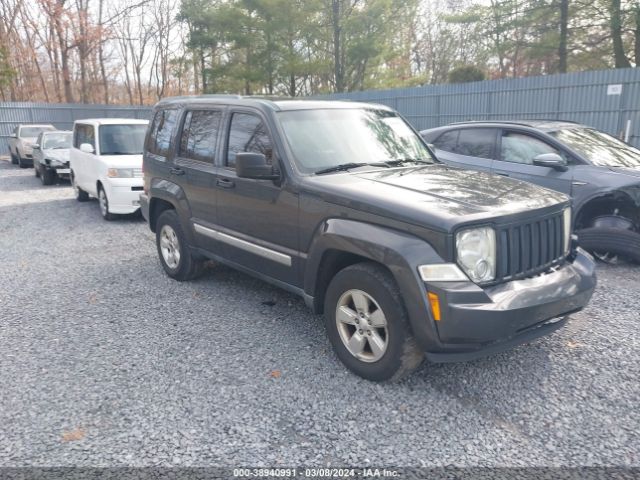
448 141
162 127
122 139
247 134
199 135
522 148
56 141
325 138
599 148
84 134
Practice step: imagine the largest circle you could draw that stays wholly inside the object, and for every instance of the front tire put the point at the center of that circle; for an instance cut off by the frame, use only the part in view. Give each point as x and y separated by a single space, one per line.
104 204
368 325
14 159
81 195
47 176
36 168
20 163
611 243
173 249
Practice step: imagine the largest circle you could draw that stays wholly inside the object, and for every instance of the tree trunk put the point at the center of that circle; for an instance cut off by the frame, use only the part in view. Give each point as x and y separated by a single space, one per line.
636 44
564 32
337 47
620 58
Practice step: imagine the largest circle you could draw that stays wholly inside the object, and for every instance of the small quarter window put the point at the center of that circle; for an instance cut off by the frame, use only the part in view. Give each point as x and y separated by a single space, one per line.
162 127
447 141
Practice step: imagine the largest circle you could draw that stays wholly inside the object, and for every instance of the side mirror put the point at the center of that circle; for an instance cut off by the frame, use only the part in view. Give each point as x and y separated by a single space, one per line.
35 146
254 165
13 135
86 148
431 146
551 160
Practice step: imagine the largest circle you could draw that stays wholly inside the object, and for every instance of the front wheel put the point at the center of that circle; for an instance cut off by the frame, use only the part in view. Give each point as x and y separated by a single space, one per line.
47 176
36 169
611 244
367 324
104 204
14 159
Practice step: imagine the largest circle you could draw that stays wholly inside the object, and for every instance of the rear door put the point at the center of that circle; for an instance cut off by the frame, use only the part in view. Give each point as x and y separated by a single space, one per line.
472 148
515 159
195 163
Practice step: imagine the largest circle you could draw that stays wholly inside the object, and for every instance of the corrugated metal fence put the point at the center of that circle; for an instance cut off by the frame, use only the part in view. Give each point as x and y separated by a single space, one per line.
606 99
61 115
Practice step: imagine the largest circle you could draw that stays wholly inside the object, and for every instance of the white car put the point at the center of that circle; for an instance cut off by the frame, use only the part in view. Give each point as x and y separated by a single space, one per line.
51 155
106 163
21 143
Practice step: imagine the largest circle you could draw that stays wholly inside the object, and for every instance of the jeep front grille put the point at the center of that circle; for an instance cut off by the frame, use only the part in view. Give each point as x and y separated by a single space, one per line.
529 248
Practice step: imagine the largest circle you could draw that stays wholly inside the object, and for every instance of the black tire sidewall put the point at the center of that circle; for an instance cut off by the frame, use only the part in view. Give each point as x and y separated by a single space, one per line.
397 329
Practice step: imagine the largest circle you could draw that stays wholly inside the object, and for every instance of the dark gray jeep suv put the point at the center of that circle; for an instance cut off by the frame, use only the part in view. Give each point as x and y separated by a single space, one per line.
600 173
344 204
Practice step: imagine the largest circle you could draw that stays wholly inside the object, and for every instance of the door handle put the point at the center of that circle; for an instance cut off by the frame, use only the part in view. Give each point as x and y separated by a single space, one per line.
225 183
176 171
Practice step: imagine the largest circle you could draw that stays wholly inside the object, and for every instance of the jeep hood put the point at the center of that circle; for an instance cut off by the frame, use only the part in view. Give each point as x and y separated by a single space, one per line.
435 195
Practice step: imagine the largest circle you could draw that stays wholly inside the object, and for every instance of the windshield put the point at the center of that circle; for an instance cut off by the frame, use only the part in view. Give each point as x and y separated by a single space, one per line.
33 132
122 139
599 148
57 140
322 139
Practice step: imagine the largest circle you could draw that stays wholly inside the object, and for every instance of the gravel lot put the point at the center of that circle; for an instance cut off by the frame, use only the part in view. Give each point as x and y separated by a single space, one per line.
106 361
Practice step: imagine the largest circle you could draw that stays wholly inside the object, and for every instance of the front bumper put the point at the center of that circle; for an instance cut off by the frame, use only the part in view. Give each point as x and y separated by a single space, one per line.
123 194
478 321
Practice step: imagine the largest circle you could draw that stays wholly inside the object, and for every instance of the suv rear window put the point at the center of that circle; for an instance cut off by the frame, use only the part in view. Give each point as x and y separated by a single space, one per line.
247 134
161 130
199 135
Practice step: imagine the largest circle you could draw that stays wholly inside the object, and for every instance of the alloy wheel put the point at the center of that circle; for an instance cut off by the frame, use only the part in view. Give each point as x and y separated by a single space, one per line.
170 246
362 326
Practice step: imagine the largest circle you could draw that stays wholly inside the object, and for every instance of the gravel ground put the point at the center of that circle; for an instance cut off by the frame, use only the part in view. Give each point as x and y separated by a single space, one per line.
106 361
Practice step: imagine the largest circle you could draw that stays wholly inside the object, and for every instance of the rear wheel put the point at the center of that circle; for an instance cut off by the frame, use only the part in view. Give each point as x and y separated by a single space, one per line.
21 164
81 195
367 324
611 245
173 249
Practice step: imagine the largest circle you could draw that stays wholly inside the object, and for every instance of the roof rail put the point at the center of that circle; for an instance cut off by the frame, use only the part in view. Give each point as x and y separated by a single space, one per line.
516 122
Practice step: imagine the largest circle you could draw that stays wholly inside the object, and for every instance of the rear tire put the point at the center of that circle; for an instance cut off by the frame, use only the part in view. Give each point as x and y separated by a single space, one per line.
625 243
81 195
20 163
173 249
368 325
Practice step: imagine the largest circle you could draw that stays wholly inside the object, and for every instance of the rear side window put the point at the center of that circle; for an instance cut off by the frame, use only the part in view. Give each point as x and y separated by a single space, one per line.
84 134
447 141
476 142
247 134
199 135
162 127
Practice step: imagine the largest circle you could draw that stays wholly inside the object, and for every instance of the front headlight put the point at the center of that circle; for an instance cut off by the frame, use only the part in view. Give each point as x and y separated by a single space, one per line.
120 173
566 220
476 252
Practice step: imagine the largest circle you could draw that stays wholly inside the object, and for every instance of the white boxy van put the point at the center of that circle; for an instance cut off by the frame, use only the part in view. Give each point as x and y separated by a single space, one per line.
106 163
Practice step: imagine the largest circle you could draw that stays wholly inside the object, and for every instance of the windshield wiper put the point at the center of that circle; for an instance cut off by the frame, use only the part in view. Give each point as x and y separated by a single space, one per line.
346 166
401 161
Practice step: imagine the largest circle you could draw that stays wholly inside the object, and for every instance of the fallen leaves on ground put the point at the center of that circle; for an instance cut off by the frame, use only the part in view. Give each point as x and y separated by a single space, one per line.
73 435
275 374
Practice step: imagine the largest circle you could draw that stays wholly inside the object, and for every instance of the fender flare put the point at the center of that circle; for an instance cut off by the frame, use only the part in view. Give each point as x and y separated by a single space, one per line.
400 252
172 193
630 194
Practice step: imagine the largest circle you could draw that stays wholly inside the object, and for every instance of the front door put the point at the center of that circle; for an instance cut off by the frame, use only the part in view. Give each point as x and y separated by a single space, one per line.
515 159
84 164
258 219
